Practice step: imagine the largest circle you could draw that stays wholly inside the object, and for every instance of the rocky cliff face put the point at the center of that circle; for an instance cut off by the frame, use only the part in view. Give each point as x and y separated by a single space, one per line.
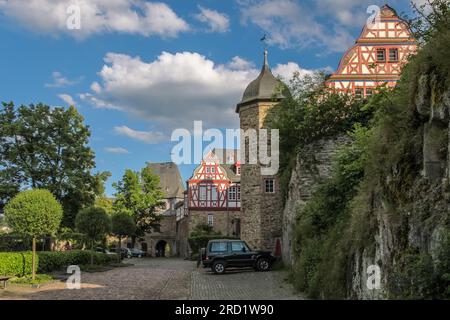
420 224
312 166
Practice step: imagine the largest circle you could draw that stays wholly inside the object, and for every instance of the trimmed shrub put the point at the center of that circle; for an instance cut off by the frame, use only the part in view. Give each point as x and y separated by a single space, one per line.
52 260
15 263
201 241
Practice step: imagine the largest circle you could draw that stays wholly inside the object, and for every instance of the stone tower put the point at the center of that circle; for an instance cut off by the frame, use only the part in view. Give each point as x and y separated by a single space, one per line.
261 219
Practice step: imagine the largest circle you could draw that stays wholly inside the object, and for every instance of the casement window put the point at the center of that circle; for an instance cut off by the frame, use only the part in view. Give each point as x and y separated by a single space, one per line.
238 192
381 55
238 171
202 191
213 169
232 193
369 93
359 93
393 55
210 220
269 185
207 169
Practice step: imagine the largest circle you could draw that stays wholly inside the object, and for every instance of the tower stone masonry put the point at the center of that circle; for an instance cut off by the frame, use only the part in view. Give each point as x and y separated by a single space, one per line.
261 210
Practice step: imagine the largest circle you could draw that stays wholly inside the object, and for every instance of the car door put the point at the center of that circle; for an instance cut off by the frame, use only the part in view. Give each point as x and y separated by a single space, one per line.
239 254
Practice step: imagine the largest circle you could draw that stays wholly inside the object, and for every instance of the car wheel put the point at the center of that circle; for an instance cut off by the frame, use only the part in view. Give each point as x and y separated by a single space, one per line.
263 264
218 267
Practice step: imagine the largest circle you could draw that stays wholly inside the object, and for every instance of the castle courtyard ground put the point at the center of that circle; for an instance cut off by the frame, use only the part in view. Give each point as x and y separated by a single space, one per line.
164 278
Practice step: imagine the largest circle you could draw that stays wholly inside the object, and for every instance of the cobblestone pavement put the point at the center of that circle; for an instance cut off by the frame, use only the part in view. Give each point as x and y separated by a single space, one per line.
162 278
241 285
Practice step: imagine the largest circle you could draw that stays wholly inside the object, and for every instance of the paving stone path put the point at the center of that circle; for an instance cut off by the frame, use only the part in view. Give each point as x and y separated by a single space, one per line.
162 278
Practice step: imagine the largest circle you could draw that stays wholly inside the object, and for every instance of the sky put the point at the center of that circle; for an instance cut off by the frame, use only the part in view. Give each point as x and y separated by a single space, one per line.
137 70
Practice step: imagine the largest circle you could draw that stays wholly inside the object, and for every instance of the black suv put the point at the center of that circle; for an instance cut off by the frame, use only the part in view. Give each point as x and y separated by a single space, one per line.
222 254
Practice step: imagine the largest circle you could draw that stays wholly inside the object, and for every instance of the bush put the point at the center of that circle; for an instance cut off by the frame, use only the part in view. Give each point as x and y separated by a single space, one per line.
198 242
51 260
15 263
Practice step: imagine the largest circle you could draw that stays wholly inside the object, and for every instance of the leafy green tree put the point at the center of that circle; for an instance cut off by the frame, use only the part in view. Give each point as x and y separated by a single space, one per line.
94 223
43 147
140 193
122 226
34 213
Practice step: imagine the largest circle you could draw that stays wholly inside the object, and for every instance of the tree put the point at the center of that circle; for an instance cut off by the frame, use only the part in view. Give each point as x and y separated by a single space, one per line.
47 148
122 226
94 223
140 193
34 213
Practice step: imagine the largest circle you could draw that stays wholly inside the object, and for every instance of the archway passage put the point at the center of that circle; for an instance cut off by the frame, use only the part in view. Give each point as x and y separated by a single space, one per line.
160 248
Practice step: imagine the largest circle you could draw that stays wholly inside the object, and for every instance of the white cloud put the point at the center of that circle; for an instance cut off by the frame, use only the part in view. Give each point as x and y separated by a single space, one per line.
173 90
149 137
176 89
67 99
286 71
97 16
59 81
238 63
116 150
327 24
217 22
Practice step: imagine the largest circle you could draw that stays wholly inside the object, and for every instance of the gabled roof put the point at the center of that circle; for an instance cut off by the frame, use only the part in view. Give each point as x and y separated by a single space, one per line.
170 179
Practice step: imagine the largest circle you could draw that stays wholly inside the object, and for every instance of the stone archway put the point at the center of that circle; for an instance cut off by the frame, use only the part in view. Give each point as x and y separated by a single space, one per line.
160 248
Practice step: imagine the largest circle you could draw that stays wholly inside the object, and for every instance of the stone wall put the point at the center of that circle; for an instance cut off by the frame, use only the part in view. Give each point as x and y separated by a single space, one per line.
167 233
311 166
223 220
182 238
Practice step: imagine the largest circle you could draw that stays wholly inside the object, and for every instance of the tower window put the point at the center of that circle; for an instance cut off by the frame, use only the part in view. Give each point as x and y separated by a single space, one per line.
393 55
381 55
210 220
269 185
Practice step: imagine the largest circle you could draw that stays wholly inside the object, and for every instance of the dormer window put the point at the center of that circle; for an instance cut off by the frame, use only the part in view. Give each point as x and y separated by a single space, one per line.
207 169
213 169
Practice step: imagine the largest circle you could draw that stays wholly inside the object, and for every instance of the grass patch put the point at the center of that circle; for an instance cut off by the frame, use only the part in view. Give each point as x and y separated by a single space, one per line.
40 279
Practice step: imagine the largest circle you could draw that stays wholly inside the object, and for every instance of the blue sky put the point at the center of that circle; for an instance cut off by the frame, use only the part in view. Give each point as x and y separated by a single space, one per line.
138 69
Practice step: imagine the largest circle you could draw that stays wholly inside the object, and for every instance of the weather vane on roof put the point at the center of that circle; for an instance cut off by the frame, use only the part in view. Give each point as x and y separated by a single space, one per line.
264 40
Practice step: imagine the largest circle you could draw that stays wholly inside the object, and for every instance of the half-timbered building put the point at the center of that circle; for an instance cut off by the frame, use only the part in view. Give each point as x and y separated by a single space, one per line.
376 58
213 193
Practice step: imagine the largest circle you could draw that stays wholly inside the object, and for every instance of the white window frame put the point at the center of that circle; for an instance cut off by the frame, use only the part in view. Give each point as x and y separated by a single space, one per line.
267 188
232 193
210 220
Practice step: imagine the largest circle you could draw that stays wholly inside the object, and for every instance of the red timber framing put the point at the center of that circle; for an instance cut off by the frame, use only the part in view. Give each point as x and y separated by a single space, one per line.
210 189
377 57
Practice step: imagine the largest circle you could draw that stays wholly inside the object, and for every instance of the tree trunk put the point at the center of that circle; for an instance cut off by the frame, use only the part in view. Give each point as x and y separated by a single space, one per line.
92 253
133 241
33 260
119 250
